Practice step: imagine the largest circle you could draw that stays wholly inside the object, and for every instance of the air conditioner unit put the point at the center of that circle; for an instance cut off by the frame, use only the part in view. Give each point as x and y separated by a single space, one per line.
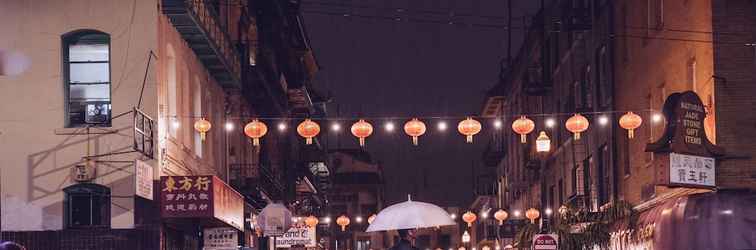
97 113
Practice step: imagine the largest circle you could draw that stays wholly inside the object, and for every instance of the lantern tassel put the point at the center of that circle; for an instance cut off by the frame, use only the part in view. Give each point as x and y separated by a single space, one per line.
202 136
308 141
469 224
577 136
362 142
343 228
630 134
523 138
414 140
469 139
255 142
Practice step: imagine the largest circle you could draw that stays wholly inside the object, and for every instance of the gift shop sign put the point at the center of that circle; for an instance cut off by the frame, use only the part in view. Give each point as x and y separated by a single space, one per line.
687 157
203 196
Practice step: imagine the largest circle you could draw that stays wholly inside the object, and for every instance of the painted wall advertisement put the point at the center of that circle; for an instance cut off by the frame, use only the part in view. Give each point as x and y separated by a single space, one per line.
220 238
297 236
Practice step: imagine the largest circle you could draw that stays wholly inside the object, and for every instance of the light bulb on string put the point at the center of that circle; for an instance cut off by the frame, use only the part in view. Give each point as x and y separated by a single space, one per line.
656 118
229 126
389 126
603 120
497 124
517 213
442 125
358 219
336 127
550 122
281 126
548 211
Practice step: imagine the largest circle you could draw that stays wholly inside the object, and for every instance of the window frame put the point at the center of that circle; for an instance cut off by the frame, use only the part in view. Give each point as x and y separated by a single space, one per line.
92 191
67 40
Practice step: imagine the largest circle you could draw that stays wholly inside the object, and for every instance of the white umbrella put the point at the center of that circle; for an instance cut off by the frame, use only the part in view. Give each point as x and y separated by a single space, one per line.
410 215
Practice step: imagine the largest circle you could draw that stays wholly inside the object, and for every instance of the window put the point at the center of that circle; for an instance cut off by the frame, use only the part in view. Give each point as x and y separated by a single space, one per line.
87 205
363 243
603 175
655 17
172 90
86 70
197 111
602 78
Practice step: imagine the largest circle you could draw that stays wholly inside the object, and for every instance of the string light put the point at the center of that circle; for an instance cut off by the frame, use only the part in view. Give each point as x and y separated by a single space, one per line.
358 219
281 126
497 124
603 120
550 122
327 219
442 125
336 127
517 213
656 118
548 211
453 216
229 126
389 126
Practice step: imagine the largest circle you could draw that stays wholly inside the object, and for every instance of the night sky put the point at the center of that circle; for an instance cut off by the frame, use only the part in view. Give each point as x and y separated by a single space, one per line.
419 65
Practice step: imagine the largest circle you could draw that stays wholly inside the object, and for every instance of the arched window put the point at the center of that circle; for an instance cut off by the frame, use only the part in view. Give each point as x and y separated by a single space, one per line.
86 71
87 205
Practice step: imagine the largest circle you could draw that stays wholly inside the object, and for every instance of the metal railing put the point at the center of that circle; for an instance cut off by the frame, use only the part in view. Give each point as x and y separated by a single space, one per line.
208 19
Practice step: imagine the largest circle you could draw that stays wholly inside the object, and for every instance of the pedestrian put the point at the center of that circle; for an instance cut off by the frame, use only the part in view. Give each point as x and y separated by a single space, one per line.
406 238
10 245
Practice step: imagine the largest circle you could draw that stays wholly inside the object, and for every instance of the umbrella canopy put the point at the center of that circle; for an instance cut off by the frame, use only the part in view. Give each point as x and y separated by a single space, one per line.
274 220
410 215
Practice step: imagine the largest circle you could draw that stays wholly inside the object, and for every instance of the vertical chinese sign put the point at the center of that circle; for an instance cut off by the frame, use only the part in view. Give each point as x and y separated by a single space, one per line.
203 196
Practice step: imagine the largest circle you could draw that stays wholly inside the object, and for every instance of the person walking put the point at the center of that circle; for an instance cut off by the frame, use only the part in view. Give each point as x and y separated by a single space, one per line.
10 245
406 239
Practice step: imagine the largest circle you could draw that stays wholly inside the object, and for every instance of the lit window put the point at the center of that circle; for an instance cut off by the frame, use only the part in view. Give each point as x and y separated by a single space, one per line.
86 62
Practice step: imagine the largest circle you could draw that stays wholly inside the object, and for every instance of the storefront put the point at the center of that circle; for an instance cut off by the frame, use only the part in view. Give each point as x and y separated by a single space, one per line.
193 207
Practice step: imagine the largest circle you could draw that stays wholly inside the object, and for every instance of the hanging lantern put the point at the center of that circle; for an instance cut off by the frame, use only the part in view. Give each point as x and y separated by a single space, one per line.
343 221
371 219
311 221
543 143
469 217
308 129
523 126
630 121
469 127
362 129
577 124
414 128
202 126
532 214
255 130
501 216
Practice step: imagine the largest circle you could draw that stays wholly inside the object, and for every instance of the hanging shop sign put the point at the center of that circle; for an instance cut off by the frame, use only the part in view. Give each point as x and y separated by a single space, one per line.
274 220
220 238
545 241
143 179
687 157
691 170
203 196
297 236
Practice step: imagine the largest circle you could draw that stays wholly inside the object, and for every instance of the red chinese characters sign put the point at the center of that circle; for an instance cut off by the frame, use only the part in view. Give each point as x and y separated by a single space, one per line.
203 196
186 196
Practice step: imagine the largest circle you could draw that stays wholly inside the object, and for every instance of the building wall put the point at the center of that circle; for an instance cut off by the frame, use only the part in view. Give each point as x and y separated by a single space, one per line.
652 62
37 152
734 26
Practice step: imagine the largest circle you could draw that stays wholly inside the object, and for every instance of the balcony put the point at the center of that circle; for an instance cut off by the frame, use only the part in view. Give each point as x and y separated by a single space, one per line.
251 178
198 24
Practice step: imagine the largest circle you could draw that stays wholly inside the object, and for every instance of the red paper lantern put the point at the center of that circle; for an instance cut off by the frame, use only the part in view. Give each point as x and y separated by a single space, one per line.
343 221
202 126
255 130
362 129
630 121
469 127
414 128
532 214
311 221
308 129
523 126
469 217
577 124
501 216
